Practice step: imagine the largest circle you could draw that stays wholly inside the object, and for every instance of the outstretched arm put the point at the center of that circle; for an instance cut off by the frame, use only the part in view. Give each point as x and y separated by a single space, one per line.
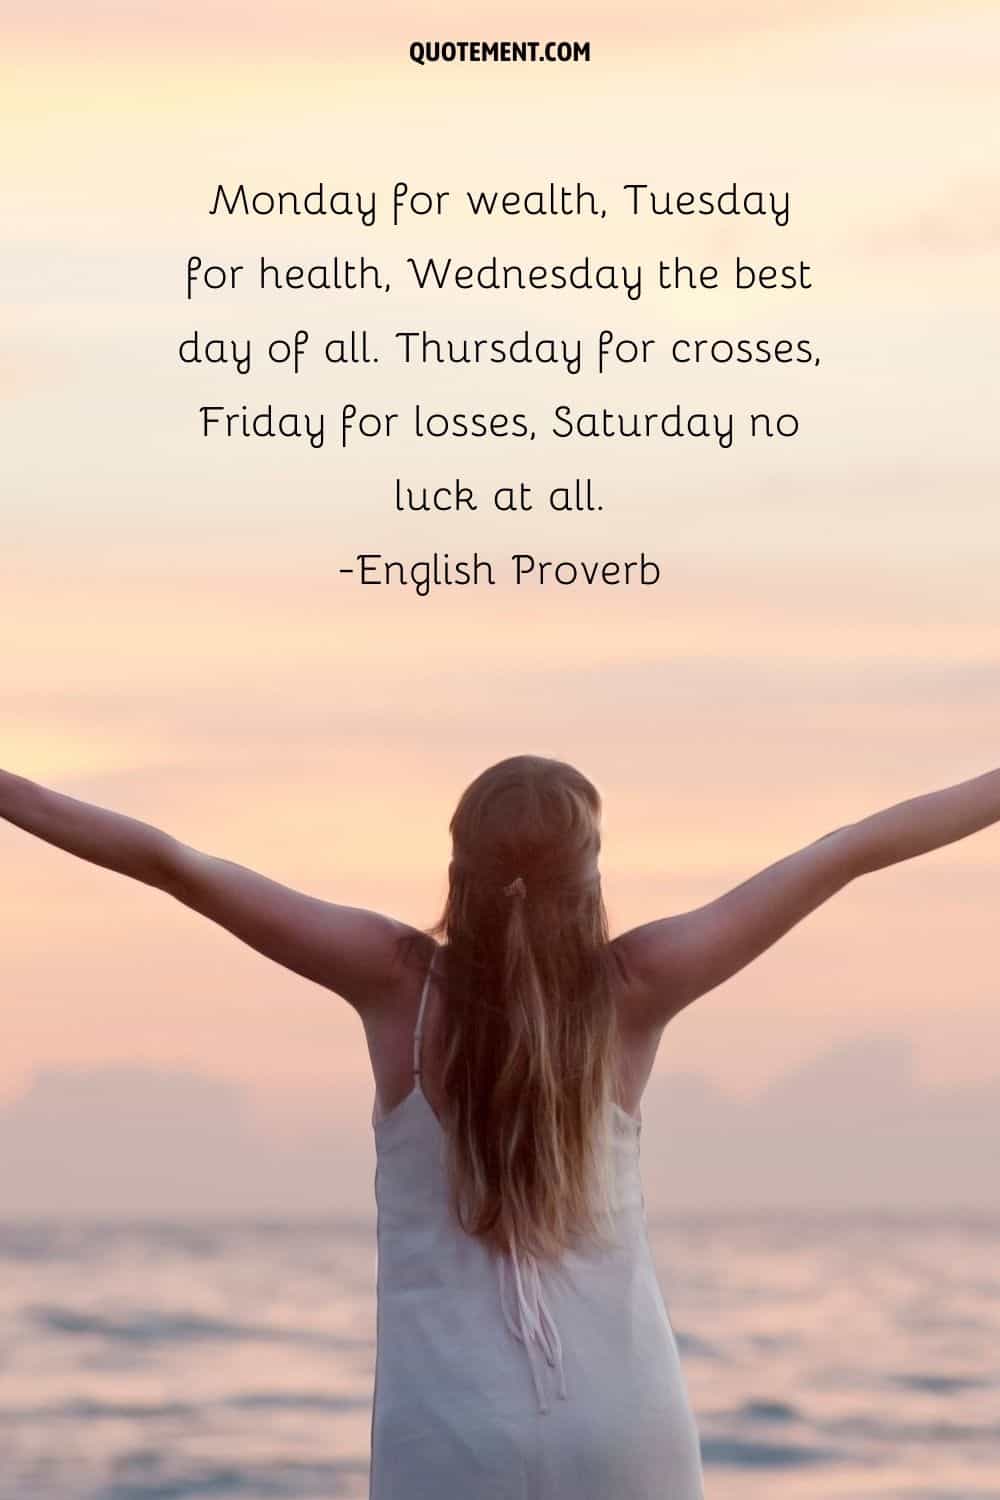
344 948
675 960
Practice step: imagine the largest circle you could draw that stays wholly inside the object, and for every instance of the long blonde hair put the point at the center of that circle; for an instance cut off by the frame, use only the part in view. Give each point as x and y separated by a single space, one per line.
528 1030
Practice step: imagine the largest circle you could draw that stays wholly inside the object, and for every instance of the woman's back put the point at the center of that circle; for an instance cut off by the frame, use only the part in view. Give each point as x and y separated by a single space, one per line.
499 1379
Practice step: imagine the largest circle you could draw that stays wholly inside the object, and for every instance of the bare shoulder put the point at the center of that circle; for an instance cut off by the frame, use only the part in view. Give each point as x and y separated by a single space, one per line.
674 960
410 952
642 960
373 962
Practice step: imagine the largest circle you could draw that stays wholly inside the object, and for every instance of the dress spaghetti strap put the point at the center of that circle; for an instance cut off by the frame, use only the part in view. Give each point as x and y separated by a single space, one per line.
418 1030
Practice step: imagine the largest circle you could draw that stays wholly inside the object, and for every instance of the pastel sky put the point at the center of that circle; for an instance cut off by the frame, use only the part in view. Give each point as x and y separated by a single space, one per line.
178 643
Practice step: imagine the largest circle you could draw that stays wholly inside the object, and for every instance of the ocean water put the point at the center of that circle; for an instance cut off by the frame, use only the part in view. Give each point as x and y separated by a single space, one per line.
825 1356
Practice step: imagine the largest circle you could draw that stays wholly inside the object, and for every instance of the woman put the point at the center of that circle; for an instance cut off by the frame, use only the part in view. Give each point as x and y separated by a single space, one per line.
524 1350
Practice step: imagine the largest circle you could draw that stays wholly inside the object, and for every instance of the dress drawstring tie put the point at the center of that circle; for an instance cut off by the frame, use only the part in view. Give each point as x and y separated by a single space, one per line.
535 1324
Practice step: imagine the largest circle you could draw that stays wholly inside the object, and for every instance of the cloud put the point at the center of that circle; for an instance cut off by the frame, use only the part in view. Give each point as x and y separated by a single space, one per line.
147 1143
851 1128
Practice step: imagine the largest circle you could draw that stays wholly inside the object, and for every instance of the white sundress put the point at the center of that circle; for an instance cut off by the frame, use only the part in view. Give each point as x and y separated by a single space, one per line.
499 1379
